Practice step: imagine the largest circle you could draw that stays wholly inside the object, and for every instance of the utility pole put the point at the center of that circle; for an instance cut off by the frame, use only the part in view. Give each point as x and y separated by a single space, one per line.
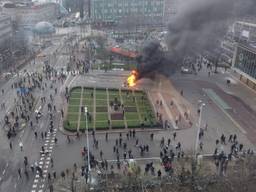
88 145
199 126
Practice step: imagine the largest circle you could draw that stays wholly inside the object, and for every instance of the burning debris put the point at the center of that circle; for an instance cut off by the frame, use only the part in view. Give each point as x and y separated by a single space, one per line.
131 80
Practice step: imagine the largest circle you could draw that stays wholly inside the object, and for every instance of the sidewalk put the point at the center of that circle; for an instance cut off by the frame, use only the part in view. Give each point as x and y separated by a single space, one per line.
165 92
239 89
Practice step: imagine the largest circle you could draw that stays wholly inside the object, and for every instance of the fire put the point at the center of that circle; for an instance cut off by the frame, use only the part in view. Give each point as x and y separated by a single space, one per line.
131 80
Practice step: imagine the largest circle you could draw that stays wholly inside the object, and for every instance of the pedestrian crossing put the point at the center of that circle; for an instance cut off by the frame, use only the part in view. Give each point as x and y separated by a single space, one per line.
59 72
76 72
44 162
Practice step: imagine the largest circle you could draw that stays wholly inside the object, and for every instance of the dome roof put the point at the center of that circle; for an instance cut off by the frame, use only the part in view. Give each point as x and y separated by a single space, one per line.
44 28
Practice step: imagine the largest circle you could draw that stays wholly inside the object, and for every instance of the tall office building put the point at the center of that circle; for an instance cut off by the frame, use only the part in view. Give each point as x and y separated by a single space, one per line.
144 12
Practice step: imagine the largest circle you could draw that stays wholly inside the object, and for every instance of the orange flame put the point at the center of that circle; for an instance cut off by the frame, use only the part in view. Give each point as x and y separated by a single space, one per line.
131 80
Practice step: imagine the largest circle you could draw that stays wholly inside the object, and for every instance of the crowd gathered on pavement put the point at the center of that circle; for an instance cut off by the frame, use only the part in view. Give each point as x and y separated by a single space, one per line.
126 144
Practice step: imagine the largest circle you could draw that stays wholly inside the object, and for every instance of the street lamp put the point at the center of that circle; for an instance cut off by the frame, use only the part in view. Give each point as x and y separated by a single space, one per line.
87 138
201 105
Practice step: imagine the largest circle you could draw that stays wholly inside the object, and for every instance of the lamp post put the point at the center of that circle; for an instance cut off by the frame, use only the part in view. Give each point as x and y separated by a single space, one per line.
87 139
199 125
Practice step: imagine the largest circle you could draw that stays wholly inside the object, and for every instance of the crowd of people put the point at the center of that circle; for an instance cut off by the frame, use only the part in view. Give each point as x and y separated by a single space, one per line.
24 116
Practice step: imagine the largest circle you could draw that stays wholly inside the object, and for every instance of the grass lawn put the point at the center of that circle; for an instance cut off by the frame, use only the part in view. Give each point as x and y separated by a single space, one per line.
72 126
86 90
101 91
145 109
101 116
117 124
133 123
83 125
75 95
143 103
139 93
101 124
132 116
101 95
73 109
73 116
113 91
112 97
129 102
87 101
73 101
87 95
101 102
76 89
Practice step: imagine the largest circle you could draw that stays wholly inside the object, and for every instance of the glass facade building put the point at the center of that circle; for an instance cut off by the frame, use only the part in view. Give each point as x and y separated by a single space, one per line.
114 10
245 61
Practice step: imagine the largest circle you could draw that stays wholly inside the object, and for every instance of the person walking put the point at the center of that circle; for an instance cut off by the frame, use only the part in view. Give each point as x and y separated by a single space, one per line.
174 135
32 168
68 138
201 146
106 137
10 145
133 133
51 162
26 174
62 113
159 173
151 136
21 146
19 172
35 134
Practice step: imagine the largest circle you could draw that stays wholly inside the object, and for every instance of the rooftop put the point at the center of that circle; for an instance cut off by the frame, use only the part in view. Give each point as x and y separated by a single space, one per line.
123 52
249 46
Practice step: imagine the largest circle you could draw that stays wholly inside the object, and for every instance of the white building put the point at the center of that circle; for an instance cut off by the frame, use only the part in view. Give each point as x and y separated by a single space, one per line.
244 31
26 16
5 29
5 40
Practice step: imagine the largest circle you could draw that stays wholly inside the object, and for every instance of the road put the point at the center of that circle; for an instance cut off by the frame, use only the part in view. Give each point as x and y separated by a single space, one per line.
11 160
239 116
227 111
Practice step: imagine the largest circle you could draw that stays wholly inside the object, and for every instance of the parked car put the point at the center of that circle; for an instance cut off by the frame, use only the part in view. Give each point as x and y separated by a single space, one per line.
186 70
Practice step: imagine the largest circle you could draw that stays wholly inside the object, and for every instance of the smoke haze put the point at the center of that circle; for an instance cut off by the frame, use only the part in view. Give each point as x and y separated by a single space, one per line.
154 59
198 25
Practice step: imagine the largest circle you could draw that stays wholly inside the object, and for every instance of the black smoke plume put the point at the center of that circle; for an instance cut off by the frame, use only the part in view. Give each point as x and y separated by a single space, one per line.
154 59
199 25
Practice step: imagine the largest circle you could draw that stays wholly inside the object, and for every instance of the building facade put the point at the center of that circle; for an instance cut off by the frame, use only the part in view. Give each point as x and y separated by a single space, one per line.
5 29
228 47
26 16
170 9
240 31
244 62
5 40
137 11
244 31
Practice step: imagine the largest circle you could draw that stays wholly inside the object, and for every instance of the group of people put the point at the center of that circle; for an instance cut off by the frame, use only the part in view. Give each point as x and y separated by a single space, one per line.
23 111
126 147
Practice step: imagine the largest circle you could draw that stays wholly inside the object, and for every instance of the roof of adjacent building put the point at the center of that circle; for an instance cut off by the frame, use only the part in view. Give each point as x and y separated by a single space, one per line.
246 23
25 5
123 52
249 46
